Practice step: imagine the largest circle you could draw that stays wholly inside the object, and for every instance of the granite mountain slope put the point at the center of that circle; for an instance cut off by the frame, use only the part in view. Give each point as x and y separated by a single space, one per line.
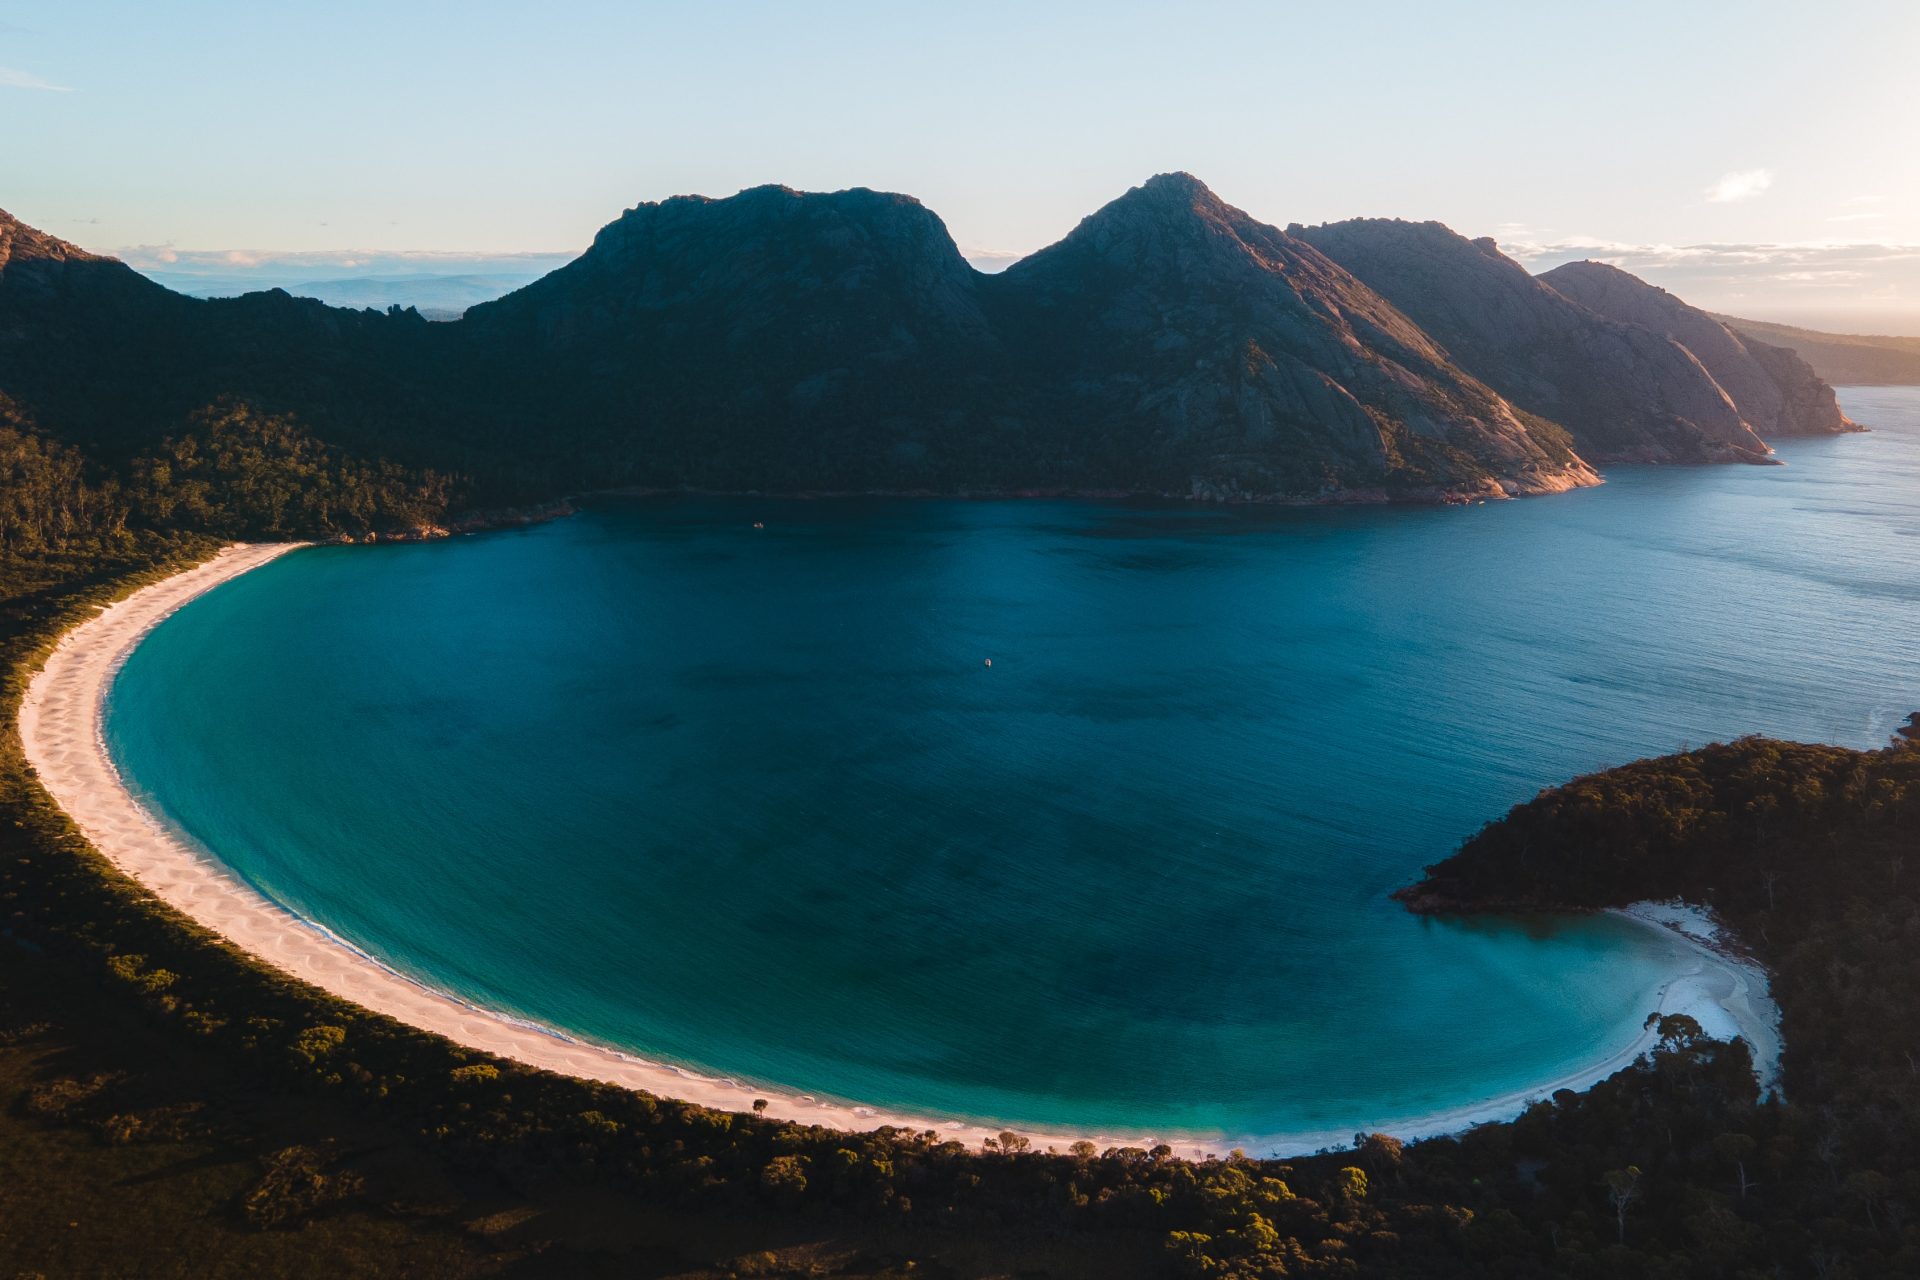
1627 393
1775 390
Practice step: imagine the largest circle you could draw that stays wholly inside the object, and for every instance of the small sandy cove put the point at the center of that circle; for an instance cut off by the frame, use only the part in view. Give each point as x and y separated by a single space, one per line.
61 730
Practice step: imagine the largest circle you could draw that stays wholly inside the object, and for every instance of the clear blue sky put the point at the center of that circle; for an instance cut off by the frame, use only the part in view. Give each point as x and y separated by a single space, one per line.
482 128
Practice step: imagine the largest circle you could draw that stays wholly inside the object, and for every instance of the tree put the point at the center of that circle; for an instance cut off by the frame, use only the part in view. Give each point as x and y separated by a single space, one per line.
1379 1153
1677 1031
786 1178
1737 1148
1623 1188
1870 1187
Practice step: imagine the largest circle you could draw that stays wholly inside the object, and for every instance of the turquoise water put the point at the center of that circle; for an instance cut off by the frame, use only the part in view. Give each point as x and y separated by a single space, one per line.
751 799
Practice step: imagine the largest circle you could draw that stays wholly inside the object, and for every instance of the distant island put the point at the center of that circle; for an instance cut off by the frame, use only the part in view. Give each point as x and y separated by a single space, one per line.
787 342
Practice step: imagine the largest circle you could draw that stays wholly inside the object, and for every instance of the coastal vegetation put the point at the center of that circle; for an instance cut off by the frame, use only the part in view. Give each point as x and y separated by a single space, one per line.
151 1069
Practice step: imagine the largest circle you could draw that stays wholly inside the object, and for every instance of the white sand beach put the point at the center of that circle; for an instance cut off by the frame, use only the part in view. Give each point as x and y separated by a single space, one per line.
61 729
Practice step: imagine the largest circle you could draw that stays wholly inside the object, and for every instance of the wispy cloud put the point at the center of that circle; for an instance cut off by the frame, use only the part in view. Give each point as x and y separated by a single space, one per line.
13 78
1741 184
1543 255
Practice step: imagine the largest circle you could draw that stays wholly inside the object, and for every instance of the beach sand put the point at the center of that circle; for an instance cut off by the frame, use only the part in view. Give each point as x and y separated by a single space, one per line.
61 729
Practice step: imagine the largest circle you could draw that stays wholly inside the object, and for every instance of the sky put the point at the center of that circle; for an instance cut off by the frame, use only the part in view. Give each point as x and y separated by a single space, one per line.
1755 156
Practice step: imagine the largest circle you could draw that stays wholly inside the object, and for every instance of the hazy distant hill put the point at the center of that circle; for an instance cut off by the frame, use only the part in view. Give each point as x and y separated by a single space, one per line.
433 296
786 341
1843 359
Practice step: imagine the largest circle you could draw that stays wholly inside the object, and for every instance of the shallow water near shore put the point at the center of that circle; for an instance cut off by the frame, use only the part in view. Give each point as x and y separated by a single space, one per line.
751 799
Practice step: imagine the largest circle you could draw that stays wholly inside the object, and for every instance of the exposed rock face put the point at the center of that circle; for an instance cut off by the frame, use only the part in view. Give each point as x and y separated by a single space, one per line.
1627 393
1775 390
1245 362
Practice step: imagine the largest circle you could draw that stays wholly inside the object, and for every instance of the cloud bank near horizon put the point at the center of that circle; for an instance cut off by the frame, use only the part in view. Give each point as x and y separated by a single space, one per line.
1820 284
1849 287
434 280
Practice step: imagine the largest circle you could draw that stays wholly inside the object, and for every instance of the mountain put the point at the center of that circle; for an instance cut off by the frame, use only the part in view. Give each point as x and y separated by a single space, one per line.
785 341
1216 336
1775 390
775 339
1626 392
1169 345
1844 359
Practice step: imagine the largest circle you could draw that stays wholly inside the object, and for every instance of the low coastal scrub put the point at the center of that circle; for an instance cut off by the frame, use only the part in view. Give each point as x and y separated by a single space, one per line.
1674 1167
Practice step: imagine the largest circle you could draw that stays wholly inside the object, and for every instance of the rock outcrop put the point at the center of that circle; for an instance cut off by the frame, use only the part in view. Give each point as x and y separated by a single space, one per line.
1626 392
1774 390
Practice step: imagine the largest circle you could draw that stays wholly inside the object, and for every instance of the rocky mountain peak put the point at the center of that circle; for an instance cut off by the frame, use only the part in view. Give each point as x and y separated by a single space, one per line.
20 243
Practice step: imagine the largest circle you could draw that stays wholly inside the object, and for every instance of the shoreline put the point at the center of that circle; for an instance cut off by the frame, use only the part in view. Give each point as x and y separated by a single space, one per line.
61 732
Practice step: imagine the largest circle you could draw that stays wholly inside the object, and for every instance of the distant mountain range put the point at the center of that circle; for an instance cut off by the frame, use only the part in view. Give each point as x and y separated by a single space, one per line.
433 296
786 341
1845 359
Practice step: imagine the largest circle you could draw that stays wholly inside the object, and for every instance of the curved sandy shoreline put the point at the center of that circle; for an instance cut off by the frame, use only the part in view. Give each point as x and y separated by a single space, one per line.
61 732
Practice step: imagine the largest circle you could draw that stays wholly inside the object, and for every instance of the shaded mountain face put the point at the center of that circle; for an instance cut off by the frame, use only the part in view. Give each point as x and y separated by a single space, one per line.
1774 390
1626 392
104 356
775 339
1229 355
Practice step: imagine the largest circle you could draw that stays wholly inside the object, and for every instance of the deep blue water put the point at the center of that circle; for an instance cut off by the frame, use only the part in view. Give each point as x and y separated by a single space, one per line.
752 800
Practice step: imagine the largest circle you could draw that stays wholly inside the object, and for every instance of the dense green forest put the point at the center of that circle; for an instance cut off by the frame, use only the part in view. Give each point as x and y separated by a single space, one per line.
230 470
174 1107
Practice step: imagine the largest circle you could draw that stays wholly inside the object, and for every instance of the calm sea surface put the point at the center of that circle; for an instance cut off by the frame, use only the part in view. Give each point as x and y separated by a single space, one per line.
752 800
